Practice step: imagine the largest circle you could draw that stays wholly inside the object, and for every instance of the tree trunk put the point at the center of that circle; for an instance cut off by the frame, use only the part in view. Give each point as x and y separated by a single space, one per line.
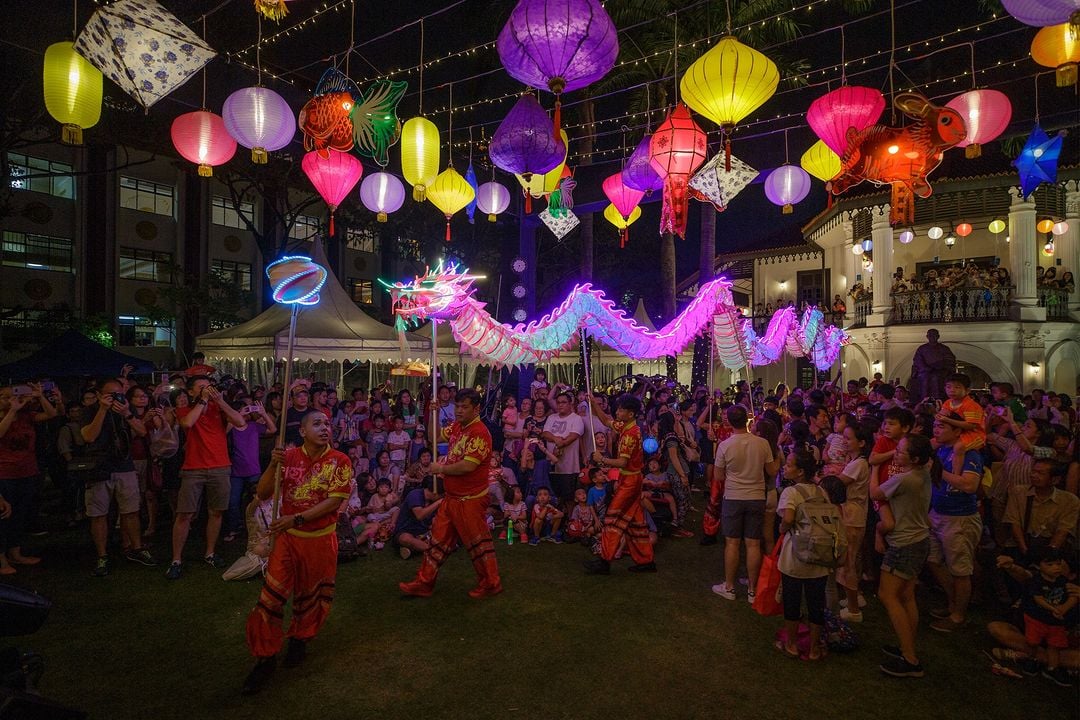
667 289
585 230
701 372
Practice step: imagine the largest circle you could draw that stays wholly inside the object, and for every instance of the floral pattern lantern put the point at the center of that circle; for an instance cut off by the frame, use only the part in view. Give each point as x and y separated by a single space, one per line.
786 186
820 161
1041 13
1058 46
638 173
676 150
622 222
832 114
382 194
525 143
986 114
625 201
201 138
72 91
558 45
419 155
492 198
260 119
334 176
450 193
728 83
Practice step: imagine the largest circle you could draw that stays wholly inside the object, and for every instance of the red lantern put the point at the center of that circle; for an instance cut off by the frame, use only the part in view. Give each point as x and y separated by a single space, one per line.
677 148
334 176
625 199
201 137
963 229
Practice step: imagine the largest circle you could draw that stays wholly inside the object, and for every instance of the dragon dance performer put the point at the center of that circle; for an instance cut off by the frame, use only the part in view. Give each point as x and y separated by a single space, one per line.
461 519
624 516
316 479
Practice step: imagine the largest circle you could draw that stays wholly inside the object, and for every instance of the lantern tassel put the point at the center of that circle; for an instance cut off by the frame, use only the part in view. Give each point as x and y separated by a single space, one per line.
71 134
447 229
419 193
624 235
491 217
528 203
727 153
331 222
205 170
675 206
381 217
258 155
558 115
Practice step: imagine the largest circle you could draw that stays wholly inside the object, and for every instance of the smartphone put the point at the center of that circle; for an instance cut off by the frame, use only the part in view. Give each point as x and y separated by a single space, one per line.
22 391
48 386
163 401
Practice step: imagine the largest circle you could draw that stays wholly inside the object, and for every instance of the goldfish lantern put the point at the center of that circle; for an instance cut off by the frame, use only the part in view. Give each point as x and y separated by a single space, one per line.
728 83
326 121
558 45
72 91
492 198
986 114
676 150
820 161
1058 46
450 193
419 155
638 173
1041 13
260 119
787 185
625 201
382 194
622 222
201 138
901 157
334 176
296 280
849 106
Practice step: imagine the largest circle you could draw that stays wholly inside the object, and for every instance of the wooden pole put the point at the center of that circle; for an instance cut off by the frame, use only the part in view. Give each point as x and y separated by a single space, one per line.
284 410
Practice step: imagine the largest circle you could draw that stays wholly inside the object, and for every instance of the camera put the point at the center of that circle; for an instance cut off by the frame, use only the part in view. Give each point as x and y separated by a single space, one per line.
119 397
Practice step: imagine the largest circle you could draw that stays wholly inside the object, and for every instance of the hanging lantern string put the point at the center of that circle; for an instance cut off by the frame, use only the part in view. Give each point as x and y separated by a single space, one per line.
420 100
352 35
450 132
1036 98
204 66
676 52
258 52
728 2
972 46
74 19
892 59
843 57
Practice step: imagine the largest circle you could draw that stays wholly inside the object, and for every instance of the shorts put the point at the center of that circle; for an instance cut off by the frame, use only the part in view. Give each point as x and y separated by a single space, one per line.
142 468
1037 632
122 487
906 561
217 483
563 486
953 539
743 518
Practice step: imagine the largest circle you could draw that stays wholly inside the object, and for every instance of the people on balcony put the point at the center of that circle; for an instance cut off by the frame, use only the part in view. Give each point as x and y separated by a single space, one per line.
952 278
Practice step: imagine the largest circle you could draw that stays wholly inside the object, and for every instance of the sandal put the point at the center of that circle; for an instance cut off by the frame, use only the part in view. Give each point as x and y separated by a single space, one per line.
779 645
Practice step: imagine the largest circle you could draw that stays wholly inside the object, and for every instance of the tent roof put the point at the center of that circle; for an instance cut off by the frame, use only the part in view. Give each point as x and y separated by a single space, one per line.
641 317
72 354
335 329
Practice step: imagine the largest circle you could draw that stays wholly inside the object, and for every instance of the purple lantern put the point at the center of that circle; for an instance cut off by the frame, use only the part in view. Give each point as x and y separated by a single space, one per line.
639 173
525 142
787 185
260 119
382 193
1041 13
558 45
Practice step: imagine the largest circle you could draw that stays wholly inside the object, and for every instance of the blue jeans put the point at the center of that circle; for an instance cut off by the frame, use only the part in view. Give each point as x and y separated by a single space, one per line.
234 516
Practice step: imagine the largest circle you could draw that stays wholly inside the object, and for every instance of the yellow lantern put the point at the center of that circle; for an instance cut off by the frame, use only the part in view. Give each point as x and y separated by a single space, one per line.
1058 46
1045 225
72 91
820 161
419 155
613 216
450 193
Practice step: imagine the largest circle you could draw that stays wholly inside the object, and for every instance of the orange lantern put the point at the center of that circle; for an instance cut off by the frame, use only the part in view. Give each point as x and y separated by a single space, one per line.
1058 46
1045 225
963 229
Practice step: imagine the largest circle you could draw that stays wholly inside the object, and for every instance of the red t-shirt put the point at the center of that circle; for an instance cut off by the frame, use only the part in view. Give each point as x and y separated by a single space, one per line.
886 470
307 481
18 456
629 445
205 446
470 442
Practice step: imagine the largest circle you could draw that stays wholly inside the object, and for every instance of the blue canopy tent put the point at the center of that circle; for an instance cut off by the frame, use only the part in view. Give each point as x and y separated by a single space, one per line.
72 354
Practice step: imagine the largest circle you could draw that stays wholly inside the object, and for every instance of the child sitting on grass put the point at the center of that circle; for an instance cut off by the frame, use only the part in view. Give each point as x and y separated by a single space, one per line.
656 486
516 513
545 516
584 524
382 512
597 495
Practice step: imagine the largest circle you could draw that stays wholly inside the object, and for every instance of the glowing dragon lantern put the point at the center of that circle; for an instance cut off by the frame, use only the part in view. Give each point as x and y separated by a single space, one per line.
420 155
382 194
638 173
201 138
260 119
621 222
786 186
1042 13
625 201
334 176
72 91
558 45
296 280
728 83
492 198
986 114
1058 46
676 150
901 157
832 114
450 193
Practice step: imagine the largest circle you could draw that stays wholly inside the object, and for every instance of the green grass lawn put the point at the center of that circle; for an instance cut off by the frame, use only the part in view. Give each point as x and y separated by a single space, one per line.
556 644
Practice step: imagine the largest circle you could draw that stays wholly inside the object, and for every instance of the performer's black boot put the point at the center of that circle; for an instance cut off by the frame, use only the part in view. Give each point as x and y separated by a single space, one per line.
295 654
259 675
598 566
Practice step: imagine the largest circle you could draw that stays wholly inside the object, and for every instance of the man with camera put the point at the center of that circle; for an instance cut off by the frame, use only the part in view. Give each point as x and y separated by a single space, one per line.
107 432
206 467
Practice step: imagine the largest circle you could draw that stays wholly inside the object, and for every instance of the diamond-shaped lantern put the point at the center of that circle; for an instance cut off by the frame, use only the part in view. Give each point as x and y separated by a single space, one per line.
676 150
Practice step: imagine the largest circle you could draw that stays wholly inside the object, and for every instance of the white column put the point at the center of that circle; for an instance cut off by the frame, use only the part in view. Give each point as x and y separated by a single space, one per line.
1067 246
881 234
1023 259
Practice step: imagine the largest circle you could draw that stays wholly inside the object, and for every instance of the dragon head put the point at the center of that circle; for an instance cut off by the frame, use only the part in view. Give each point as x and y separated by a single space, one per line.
437 294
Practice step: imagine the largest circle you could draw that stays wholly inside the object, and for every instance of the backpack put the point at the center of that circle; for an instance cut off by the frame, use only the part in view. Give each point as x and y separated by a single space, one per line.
818 534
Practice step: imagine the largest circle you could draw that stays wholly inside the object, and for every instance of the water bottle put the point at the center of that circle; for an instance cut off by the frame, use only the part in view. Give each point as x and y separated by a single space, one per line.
509 531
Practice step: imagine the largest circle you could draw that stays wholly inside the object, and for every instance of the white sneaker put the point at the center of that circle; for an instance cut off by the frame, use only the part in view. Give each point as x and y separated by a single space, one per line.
851 617
750 595
724 591
862 602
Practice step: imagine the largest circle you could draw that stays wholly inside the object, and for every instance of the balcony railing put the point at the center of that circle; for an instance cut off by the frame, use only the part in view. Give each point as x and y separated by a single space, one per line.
863 308
971 304
1056 302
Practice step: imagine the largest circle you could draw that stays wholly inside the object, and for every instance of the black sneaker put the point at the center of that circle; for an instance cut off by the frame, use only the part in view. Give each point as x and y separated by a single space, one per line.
103 566
598 566
215 561
175 571
141 556
1029 667
259 675
1060 676
901 668
708 540
892 651
295 654
649 567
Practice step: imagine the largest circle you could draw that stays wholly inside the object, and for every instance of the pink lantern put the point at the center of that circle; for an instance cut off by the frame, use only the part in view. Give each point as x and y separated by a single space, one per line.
382 193
334 176
676 150
201 137
1042 13
260 119
986 114
624 198
832 115
787 185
